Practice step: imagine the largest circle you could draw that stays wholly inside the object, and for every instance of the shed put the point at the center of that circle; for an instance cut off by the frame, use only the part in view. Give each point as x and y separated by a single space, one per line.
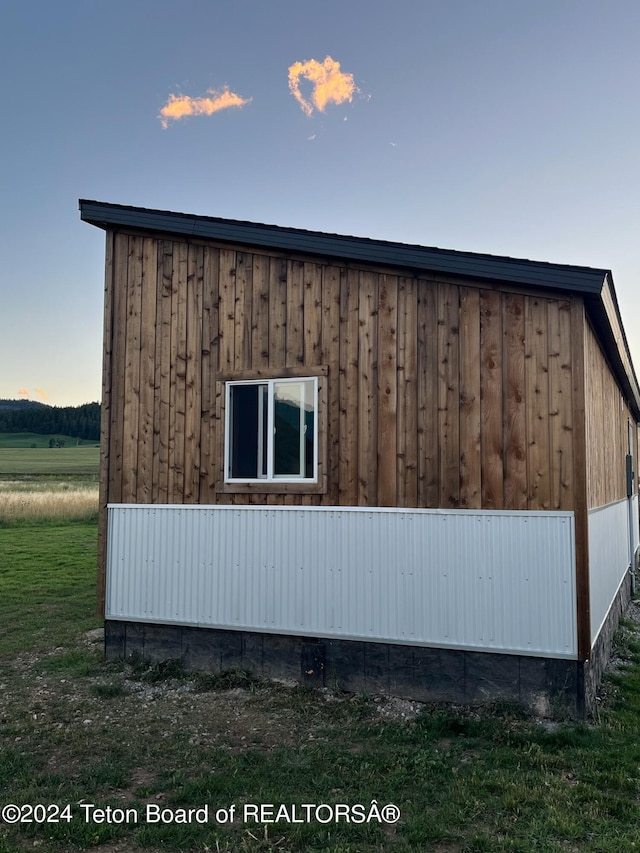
360 463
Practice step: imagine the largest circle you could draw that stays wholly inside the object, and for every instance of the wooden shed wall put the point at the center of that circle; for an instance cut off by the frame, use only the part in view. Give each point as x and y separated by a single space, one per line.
607 428
440 393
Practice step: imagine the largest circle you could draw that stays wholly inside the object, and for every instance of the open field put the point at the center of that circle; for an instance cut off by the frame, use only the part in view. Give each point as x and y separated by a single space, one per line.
48 484
74 729
48 499
34 440
54 461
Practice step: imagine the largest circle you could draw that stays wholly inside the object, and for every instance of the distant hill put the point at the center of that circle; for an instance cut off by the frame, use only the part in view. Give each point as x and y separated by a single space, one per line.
29 416
16 405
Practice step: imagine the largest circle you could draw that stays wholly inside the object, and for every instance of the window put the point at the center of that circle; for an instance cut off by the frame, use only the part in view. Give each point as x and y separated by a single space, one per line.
271 430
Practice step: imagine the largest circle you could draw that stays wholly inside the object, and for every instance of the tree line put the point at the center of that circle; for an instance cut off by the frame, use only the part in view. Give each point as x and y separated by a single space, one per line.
76 421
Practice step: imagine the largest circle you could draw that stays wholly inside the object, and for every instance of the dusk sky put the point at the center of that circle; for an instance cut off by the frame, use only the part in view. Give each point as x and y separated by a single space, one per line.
508 127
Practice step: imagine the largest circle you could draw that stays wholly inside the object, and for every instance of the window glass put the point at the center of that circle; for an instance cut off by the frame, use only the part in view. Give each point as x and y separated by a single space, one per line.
245 445
294 419
284 410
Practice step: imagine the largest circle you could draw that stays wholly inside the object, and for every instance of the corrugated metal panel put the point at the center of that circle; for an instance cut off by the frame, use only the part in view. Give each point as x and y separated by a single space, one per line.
608 558
483 580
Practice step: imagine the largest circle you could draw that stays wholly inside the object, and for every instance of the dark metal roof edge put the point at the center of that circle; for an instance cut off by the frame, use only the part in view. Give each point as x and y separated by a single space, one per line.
628 382
476 265
588 281
632 379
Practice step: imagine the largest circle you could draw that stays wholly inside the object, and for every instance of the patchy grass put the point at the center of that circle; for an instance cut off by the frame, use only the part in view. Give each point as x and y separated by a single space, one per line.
75 729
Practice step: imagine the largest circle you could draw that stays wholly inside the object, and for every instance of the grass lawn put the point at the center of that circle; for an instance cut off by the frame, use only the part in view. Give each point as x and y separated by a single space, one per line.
47 585
74 730
49 461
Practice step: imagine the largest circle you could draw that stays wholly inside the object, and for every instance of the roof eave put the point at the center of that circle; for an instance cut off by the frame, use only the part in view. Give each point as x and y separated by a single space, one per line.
340 247
595 285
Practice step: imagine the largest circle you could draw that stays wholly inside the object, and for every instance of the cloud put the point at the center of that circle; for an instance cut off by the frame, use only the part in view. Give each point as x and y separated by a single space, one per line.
23 392
180 106
330 85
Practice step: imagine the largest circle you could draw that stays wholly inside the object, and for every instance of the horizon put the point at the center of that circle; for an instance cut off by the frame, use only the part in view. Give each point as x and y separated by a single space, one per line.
483 129
49 405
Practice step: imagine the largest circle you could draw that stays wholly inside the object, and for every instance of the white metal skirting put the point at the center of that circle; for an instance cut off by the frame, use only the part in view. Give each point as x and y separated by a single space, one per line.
608 558
482 580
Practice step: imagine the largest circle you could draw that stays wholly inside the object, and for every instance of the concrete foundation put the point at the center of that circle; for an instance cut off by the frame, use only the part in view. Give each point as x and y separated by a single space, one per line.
544 686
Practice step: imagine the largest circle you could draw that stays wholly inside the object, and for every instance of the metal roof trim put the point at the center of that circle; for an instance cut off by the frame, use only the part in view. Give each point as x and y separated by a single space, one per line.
475 265
591 282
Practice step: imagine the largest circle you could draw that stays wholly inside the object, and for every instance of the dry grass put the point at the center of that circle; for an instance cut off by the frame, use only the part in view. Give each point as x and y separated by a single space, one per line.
53 501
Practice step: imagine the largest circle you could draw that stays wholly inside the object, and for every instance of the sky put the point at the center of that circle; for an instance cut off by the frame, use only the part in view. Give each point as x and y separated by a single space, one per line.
507 127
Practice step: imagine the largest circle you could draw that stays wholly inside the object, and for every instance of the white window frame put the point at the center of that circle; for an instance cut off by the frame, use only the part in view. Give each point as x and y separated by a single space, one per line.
270 476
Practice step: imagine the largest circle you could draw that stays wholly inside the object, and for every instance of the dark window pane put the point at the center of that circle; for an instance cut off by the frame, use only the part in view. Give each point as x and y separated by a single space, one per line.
244 431
309 421
263 402
287 438
294 421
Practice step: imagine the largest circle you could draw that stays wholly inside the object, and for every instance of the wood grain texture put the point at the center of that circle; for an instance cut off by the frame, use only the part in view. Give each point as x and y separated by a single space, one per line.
243 310
607 426
349 399
537 404
295 314
428 415
514 401
387 391
162 387
438 393
407 393
277 312
448 309
210 350
312 313
193 374
131 397
580 499
146 417
179 389
260 311
560 405
368 390
334 279
227 308
470 393
491 400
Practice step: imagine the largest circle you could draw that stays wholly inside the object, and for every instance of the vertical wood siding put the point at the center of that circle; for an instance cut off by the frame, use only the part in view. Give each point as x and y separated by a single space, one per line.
440 393
607 420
